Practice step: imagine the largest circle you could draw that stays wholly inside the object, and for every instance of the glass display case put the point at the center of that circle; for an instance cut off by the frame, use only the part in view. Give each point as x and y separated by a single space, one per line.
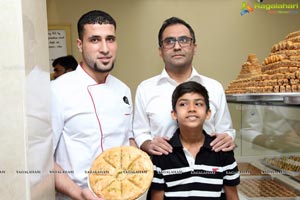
268 140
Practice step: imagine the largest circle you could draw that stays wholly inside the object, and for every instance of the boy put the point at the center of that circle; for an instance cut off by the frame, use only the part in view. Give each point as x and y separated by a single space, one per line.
193 170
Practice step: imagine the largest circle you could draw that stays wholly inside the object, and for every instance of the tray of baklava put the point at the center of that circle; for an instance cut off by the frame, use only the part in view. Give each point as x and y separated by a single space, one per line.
286 165
249 169
267 187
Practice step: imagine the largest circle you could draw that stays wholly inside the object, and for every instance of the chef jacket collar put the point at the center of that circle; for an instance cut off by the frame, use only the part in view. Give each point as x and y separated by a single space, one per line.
87 78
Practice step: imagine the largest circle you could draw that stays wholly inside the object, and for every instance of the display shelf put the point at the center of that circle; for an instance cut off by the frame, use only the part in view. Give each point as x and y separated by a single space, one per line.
270 114
266 98
281 178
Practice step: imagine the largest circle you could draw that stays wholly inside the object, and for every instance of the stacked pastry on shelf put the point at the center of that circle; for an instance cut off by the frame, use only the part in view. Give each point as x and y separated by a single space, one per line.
249 77
279 72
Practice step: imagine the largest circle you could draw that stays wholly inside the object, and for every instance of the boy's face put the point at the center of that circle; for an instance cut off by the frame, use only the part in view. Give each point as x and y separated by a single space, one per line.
191 111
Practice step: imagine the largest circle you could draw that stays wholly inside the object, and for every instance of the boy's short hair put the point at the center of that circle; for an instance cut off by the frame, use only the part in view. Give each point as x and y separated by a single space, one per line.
189 87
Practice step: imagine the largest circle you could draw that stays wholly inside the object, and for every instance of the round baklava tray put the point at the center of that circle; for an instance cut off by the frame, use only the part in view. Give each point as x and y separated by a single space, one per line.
121 173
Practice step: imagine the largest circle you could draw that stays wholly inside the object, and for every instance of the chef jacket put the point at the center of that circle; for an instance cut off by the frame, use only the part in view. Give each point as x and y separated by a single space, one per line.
88 118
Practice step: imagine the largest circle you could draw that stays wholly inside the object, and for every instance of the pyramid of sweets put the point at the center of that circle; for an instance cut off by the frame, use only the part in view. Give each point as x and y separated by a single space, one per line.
279 72
248 78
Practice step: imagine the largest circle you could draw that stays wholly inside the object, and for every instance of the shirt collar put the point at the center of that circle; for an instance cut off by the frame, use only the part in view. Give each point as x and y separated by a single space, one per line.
164 76
176 143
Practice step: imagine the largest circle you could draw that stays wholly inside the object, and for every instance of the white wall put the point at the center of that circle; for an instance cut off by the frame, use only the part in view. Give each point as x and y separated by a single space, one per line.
224 37
26 138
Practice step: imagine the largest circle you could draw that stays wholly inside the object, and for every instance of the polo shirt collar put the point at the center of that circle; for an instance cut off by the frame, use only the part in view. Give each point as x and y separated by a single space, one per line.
176 143
195 76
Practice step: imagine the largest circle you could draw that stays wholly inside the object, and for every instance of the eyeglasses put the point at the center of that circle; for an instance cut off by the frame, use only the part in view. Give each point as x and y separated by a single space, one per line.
170 42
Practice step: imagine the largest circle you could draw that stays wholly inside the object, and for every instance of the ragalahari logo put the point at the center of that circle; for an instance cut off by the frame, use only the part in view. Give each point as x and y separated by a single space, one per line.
271 8
246 8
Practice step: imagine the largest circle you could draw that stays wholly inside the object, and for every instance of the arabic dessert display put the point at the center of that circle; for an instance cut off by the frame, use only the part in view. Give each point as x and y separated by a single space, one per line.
279 72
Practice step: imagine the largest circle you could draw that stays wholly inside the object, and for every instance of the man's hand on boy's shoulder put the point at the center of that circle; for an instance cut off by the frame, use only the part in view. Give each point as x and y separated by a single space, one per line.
157 146
222 142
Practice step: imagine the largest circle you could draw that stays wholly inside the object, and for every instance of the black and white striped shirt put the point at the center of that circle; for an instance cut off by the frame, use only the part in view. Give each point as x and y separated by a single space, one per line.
183 177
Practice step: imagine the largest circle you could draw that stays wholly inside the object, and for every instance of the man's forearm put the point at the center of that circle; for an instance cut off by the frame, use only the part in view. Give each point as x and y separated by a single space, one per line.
145 146
65 185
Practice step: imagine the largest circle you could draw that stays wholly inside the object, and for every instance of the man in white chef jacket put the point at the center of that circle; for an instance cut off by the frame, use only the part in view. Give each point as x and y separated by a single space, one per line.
91 109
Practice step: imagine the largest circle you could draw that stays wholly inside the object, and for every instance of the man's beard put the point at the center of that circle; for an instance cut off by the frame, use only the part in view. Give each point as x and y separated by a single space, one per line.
97 69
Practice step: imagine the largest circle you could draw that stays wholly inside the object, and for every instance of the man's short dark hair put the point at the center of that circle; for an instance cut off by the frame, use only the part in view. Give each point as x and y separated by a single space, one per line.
189 87
173 21
94 17
68 62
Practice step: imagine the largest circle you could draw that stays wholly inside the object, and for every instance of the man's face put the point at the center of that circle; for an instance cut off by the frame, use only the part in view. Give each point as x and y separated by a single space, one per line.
177 56
98 47
58 71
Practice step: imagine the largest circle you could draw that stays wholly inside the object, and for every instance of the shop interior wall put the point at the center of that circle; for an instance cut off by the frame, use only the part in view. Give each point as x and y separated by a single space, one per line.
224 37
